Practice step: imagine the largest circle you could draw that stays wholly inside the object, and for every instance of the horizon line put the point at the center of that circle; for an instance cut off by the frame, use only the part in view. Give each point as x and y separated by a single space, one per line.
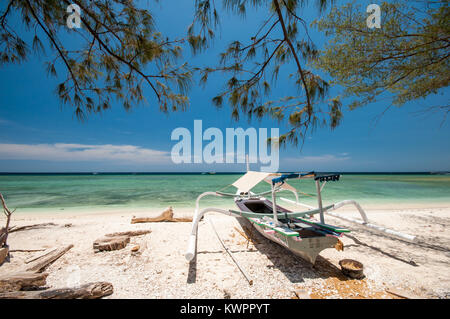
216 172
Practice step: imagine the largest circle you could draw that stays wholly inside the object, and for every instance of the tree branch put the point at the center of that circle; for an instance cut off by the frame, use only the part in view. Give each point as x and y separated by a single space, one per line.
52 39
300 70
3 17
4 232
118 57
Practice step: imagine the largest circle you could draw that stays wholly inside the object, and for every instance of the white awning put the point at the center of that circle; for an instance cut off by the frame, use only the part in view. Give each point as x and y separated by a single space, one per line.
250 180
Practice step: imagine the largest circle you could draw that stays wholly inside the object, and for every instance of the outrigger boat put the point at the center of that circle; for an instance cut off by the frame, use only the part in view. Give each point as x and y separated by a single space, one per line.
296 231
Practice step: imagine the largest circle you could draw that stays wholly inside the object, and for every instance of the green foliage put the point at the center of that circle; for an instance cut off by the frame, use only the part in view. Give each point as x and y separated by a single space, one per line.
118 52
407 57
281 41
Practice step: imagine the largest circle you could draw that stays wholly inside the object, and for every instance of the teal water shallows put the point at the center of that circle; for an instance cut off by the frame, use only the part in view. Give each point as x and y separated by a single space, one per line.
116 191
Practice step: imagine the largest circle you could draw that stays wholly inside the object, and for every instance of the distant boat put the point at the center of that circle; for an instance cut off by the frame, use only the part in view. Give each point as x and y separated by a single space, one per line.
211 173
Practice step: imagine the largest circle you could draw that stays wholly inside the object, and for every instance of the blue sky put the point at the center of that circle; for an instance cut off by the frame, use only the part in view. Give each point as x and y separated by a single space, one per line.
37 135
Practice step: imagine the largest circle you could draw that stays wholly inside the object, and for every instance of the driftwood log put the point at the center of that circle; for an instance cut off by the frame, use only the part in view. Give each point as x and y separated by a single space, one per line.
93 290
402 293
130 233
22 280
111 243
4 231
42 262
13 229
3 236
31 250
4 251
166 216
40 255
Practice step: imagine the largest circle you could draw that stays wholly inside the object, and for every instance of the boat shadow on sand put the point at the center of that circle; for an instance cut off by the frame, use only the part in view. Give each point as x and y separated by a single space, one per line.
293 267
296 269
398 249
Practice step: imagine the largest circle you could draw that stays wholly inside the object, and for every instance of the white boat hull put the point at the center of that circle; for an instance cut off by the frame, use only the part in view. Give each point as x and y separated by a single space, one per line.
307 248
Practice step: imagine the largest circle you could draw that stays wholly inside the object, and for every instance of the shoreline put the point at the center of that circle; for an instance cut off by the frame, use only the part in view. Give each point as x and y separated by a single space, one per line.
189 210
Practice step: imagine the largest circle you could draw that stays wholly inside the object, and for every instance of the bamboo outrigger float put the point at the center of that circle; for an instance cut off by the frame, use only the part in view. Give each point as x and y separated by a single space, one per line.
296 231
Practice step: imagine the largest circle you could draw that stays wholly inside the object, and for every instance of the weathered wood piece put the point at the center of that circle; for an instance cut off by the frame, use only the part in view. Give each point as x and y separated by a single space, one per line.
3 236
4 231
111 243
27 227
402 293
4 251
129 233
22 280
166 216
93 290
40 255
181 219
41 263
31 250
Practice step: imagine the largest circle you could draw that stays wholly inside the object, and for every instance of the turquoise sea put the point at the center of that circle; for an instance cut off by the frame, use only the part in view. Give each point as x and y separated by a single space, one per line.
89 192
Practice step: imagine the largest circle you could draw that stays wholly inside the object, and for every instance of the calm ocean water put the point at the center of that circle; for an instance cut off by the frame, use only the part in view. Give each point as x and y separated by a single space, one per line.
50 192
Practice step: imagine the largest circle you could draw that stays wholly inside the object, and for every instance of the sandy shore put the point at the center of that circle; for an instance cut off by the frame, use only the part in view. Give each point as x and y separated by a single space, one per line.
159 269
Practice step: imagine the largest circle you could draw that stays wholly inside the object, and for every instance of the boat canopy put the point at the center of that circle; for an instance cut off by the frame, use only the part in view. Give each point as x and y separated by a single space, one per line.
250 180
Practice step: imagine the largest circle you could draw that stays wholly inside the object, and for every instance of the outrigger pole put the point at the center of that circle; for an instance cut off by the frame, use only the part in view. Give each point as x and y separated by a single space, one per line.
319 201
274 204
364 222
335 177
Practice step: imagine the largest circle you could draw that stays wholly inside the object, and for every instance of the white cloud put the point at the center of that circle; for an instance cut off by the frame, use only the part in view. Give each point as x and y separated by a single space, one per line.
4 122
83 152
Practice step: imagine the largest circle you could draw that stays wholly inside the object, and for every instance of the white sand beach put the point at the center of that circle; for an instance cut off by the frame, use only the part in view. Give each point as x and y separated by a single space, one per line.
159 269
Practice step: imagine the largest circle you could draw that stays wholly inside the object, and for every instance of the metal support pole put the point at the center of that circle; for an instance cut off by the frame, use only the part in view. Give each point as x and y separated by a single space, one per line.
319 202
248 163
274 205
323 185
